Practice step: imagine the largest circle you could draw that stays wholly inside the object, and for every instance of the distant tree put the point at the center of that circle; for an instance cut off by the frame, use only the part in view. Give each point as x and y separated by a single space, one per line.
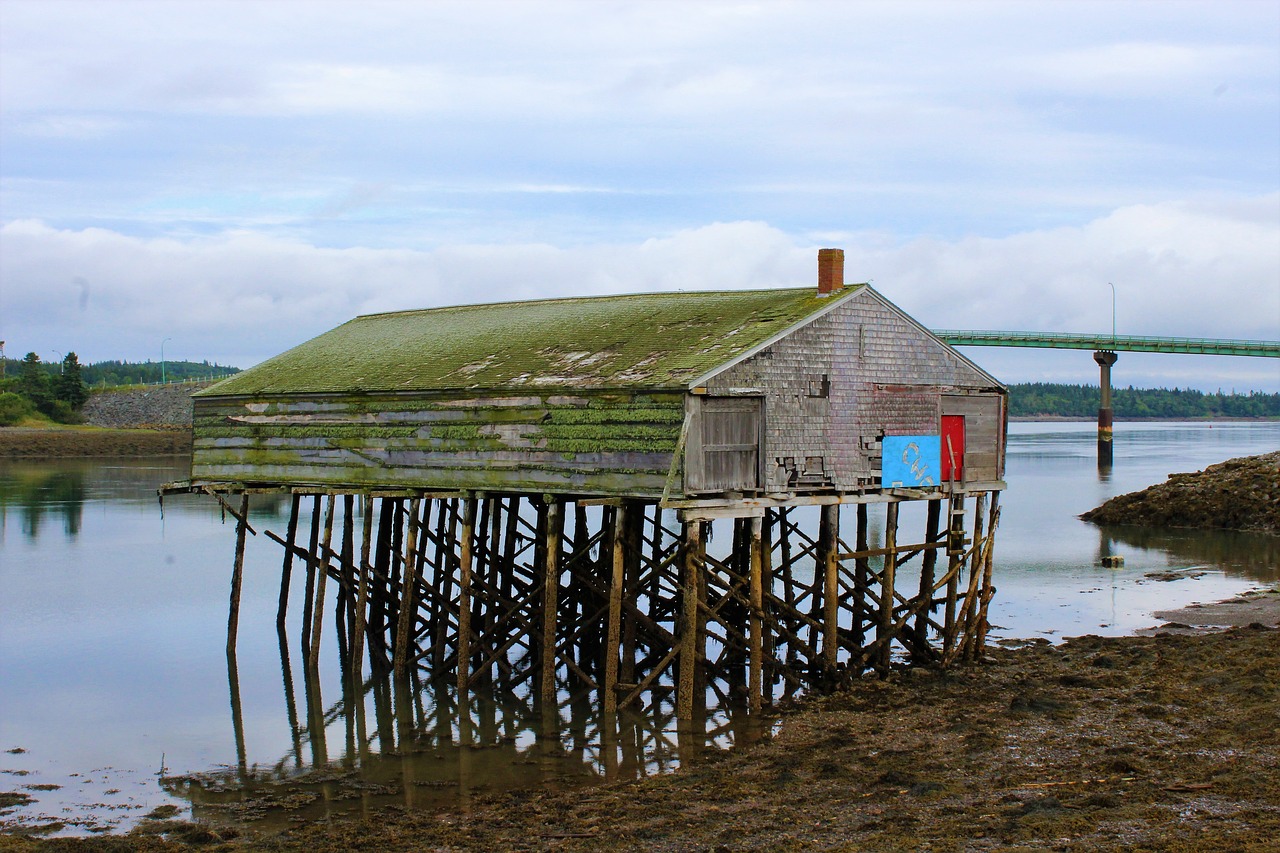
33 381
69 386
13 408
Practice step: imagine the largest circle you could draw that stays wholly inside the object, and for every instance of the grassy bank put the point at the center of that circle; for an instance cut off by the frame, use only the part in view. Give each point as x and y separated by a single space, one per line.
70 441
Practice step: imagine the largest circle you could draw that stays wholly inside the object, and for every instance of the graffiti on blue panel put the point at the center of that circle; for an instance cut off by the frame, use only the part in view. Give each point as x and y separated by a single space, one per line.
911 460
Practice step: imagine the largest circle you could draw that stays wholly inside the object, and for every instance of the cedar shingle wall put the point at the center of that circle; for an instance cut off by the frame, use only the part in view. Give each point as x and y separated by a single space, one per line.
886 377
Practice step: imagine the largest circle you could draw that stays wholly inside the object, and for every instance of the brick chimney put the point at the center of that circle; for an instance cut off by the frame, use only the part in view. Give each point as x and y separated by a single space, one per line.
830 271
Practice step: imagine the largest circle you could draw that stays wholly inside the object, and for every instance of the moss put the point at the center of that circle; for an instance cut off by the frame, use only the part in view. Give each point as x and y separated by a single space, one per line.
659 340
618 415
460 432
291 431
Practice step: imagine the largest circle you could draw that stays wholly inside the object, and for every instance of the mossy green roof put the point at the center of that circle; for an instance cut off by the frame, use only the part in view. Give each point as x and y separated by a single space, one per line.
654 340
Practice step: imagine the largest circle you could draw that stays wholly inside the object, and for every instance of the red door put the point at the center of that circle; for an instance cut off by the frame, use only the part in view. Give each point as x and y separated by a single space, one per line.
952 448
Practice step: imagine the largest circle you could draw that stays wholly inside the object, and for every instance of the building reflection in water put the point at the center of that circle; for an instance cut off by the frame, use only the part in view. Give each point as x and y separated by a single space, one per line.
406 743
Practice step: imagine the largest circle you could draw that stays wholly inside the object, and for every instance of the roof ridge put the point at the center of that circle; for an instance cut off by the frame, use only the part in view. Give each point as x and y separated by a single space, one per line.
566 299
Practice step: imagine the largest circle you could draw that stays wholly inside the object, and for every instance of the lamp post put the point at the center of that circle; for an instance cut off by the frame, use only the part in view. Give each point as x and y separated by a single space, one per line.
1113 310
163 378
61 359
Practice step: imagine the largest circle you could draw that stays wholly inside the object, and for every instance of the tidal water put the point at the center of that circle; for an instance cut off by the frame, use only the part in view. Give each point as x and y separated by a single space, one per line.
116 698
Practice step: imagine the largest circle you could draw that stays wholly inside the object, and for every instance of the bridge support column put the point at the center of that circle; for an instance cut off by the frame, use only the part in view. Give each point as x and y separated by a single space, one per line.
1105 358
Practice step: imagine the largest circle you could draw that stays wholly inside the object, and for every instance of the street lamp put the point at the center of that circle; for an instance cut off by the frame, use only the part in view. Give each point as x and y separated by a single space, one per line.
61 360
1113 310
163 378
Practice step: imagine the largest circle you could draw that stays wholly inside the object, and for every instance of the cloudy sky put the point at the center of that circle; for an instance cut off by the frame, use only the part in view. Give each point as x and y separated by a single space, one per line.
233 178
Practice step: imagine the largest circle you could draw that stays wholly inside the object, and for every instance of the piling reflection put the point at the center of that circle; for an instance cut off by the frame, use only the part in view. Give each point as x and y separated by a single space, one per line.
408 744
1255 556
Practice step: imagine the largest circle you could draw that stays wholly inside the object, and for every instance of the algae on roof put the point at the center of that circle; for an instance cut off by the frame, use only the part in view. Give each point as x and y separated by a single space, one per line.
654 340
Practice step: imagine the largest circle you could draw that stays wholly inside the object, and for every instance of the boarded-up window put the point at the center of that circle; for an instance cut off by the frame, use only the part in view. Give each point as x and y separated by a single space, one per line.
731 443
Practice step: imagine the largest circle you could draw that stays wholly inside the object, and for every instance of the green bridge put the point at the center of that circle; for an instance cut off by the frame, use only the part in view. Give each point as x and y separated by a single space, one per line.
1110 343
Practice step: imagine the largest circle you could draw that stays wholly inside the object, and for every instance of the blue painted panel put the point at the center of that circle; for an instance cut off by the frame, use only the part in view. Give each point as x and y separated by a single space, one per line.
910 460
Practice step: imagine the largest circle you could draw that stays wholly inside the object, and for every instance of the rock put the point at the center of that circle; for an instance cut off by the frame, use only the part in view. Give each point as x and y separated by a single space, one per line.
147 407
1239 494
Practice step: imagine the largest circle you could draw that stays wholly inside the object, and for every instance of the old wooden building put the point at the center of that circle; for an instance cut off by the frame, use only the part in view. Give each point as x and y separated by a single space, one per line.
765 392
540 481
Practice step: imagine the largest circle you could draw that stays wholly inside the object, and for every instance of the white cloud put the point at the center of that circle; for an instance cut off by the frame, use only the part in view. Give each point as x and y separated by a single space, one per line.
1190 269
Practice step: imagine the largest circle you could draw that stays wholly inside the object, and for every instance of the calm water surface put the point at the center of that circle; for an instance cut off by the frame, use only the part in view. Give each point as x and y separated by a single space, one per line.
113 619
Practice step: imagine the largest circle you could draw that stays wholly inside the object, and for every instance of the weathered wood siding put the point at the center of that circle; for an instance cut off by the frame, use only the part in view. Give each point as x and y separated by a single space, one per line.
723 453
835 387
590 443
984 433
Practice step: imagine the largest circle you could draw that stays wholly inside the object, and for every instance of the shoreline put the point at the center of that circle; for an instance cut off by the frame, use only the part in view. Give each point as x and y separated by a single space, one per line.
69 442
1035 419
1163 739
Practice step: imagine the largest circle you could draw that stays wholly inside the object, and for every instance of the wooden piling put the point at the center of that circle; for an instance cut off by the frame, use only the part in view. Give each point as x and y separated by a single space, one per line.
550 589
689 622
464 596
405 612
286 569
317 611
613 644
362 595
888 580
755 682
237 576
828 567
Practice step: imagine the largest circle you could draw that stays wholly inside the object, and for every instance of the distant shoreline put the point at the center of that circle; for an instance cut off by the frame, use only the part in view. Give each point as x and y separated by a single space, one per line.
60 442
1031 419
79 442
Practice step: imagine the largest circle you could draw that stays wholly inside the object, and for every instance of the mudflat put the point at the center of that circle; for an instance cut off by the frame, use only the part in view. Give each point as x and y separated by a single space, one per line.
1167 742
58 442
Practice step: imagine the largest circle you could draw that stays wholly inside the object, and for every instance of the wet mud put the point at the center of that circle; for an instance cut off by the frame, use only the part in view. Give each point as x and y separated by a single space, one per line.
62 442
1168 742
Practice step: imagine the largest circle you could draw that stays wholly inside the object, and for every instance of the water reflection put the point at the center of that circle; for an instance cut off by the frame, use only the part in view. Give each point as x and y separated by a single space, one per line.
142 607
408 744
1254 556
35 492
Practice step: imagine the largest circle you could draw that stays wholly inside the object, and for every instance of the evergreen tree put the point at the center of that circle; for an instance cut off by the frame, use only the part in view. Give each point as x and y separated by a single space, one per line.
33 381
69 386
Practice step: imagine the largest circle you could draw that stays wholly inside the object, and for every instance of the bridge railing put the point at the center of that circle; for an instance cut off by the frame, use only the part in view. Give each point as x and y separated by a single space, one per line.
1115 343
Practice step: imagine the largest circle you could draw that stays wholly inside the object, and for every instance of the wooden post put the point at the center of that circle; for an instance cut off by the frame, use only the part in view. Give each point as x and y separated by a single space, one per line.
862 576
988 568
955 558
612 645
362 598
464 597
767 583
313 556
829 566
888 581
550 590
344 609
322 575
920 644
237 576
689 620
969 613
383 555
755 682
405 615
286 570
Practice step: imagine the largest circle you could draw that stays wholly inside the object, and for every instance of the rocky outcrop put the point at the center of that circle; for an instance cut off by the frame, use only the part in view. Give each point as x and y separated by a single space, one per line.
1239 494
145 407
